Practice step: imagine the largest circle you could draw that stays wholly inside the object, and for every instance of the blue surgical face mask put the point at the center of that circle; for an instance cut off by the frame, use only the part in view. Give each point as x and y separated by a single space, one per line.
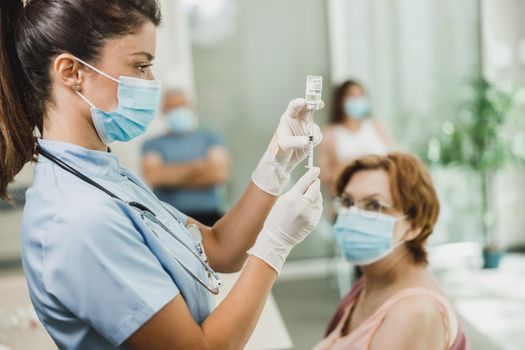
181 120
357 107
138 102
365 237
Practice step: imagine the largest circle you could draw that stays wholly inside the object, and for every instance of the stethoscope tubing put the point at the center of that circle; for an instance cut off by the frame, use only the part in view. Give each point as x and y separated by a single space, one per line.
146 214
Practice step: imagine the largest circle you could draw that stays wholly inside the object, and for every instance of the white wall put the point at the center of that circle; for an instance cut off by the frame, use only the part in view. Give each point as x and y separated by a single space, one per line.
245 80
504 61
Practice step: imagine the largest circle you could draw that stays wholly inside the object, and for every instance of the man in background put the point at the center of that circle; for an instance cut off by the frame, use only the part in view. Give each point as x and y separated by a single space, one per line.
187 167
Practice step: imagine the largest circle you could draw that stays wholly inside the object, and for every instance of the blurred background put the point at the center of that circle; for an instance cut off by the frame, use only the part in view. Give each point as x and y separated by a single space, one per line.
440 75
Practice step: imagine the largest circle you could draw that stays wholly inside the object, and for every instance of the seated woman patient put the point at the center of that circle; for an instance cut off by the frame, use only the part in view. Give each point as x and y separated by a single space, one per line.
387 209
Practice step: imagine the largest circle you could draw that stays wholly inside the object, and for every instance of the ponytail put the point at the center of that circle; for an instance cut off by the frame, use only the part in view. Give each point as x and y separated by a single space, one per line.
16 120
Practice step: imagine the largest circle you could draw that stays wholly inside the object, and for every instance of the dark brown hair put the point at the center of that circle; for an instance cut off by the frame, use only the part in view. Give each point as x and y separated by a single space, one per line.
337 113
412 190
30 38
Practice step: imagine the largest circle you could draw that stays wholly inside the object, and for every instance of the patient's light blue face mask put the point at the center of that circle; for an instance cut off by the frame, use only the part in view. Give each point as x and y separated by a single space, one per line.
365 237
138 102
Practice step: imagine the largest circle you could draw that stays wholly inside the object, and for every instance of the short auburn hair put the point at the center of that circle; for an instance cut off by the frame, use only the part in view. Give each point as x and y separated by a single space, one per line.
412 191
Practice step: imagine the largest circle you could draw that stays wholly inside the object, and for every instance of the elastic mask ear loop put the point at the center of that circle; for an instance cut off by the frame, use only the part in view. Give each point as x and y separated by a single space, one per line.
96 70
398 244
401 241
85 99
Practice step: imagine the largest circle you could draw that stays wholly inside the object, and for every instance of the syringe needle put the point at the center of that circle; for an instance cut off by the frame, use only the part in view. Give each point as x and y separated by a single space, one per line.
314 88
311 140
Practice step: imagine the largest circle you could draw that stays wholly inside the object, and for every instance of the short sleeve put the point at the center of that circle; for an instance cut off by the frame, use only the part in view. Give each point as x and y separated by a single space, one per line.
98 266
150 146
214 139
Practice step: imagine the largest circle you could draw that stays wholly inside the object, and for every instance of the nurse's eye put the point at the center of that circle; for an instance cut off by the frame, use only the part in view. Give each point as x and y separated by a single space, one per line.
143 69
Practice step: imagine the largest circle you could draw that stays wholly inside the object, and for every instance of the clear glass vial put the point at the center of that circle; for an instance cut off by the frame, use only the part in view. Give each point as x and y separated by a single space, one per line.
314 89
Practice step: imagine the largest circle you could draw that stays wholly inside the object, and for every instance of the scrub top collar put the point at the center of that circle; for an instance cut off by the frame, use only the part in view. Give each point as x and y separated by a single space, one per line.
91 163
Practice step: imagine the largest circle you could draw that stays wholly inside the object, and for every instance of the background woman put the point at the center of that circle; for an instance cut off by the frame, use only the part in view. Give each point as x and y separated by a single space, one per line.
352 132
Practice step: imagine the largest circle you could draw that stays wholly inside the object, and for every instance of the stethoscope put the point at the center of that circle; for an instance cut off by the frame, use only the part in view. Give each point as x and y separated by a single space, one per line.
149 215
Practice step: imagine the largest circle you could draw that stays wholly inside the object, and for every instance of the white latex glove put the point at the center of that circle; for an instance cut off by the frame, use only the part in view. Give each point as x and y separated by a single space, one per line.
288 148
292 218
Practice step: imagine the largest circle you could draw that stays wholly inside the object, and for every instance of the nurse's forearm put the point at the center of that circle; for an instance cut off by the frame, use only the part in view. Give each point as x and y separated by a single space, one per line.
231 324
229 239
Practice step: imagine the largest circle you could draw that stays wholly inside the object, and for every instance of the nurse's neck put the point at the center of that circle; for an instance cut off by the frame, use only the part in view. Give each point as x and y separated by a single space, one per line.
67 124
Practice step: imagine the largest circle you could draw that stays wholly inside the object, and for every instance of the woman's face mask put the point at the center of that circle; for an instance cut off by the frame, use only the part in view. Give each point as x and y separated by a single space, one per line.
365 237
357 107
138 102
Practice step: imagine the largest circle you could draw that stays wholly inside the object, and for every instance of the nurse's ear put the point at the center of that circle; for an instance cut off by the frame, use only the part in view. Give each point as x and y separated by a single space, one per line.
68 72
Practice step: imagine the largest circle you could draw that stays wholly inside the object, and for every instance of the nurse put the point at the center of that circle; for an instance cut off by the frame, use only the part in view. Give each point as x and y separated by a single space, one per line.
109 266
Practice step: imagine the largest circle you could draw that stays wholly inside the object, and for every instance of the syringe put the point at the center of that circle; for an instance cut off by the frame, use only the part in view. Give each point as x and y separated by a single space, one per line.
311 140
314 88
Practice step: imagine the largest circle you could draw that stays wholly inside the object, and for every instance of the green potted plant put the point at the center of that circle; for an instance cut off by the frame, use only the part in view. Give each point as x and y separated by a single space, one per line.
474 141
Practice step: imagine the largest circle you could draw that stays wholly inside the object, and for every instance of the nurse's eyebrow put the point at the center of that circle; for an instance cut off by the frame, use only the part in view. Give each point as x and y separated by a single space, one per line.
146 54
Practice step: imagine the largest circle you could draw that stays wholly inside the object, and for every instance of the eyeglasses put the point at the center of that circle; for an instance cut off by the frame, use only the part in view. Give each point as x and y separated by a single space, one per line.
367 207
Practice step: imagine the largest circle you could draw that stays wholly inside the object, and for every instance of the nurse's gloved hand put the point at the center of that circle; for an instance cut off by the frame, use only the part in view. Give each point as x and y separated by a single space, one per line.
292 218
288 148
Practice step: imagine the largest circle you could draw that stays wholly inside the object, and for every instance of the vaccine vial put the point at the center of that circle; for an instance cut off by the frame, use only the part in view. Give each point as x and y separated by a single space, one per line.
314 89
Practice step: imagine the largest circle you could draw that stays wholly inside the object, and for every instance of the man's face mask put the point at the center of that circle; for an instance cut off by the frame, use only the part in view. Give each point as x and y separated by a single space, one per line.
181 120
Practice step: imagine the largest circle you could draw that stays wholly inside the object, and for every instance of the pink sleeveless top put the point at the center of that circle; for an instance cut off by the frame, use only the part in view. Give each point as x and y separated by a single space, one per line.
361 337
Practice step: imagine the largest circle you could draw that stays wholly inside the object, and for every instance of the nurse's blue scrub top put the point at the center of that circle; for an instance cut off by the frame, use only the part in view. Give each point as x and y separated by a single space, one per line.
96 271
